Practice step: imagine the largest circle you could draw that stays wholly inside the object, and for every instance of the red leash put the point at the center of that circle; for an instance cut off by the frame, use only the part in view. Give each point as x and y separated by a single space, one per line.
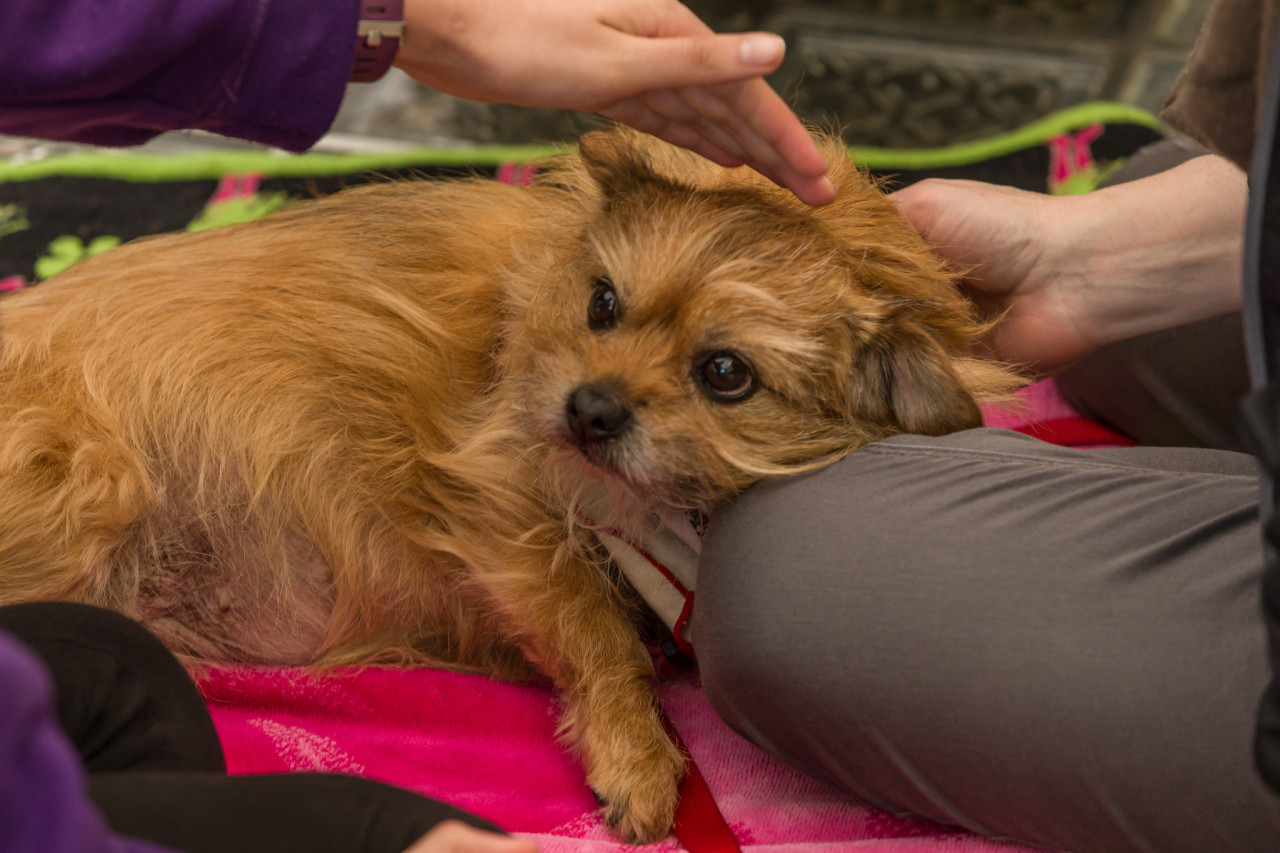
699 825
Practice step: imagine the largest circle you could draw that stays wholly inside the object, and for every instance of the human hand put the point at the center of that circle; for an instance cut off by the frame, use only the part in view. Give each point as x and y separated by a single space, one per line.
1020 268
1063 276
651 64
453 836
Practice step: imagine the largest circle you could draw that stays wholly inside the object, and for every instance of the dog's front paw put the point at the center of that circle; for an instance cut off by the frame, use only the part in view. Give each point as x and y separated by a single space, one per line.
639 797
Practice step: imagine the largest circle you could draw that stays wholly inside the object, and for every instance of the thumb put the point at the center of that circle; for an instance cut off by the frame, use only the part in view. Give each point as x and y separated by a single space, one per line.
942 212
920 205
703 60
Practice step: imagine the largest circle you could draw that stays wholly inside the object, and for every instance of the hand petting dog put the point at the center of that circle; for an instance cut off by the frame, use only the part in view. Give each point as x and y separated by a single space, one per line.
1067 275
651 64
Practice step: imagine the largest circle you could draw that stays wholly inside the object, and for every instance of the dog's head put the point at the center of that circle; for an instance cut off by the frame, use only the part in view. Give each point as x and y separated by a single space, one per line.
706 329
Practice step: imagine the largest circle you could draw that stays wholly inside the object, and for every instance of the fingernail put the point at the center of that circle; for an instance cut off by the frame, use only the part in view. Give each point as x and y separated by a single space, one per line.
762 49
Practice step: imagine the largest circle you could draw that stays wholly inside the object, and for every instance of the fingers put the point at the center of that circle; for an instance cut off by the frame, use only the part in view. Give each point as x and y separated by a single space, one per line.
713 84
926 206
452 836
752 123
638 114
973 223
735 124
662 63
664 44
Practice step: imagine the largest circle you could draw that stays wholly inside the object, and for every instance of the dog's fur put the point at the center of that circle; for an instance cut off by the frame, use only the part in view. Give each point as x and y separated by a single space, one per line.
357 431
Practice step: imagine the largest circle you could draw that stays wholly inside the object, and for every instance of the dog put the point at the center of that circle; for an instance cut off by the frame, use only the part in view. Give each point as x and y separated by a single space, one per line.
362 429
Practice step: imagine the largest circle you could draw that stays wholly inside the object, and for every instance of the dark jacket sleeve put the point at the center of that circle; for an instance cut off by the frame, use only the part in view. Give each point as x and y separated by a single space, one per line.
1221 99
1219 93
44 807
118 72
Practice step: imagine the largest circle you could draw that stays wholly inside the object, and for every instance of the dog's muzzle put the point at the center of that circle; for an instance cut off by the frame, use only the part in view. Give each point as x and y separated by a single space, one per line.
595 412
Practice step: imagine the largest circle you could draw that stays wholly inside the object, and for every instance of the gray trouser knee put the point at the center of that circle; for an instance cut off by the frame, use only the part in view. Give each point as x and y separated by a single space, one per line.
1061 647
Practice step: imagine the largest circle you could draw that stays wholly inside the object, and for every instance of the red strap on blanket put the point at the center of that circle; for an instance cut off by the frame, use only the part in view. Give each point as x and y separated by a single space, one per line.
1073 432
699 825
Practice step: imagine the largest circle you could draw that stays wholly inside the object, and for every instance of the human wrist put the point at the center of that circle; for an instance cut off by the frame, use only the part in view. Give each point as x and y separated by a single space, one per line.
436 43
1157 252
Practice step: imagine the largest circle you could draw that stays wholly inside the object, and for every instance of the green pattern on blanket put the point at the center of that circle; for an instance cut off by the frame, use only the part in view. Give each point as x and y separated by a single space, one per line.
58 210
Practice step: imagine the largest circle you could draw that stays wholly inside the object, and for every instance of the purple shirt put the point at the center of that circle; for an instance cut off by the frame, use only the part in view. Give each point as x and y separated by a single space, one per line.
118 72
43 804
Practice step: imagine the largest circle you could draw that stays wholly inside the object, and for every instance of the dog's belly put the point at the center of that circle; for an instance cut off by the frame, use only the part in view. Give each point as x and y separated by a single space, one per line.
226 596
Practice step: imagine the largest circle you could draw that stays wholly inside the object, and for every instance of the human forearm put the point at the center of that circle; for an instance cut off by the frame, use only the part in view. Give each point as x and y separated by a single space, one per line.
1163 251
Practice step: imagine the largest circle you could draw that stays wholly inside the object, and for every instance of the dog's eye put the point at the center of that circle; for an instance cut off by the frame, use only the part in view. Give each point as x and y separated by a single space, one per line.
727 377
602 310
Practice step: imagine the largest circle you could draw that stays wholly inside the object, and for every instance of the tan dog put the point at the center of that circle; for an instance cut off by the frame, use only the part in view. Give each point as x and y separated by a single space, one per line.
357 430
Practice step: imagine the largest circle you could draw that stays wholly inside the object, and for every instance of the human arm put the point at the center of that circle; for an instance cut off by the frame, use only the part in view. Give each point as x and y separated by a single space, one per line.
118 72
1068 275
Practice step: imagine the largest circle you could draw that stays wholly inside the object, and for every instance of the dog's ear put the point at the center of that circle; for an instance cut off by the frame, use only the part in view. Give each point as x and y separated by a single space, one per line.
905 379
614 162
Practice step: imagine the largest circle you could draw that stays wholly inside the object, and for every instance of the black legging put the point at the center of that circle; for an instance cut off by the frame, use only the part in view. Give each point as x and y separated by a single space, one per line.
155 764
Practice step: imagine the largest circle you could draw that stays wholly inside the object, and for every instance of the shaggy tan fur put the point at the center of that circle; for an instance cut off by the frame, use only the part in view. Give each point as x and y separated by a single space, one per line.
353 431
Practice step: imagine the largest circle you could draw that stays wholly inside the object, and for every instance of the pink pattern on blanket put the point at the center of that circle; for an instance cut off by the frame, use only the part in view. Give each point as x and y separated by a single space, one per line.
1042 412
490 748
1038 402
483 745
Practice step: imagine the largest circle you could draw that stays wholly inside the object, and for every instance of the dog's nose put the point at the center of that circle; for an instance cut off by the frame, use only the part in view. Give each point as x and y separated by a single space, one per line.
594 412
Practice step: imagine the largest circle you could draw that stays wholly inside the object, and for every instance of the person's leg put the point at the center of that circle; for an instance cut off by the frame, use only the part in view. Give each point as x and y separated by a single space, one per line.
1061 647
156 769
303 812
123 699
1177 388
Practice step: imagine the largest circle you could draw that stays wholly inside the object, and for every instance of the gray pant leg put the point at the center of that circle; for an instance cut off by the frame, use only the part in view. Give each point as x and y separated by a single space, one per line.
1179 387
1057 646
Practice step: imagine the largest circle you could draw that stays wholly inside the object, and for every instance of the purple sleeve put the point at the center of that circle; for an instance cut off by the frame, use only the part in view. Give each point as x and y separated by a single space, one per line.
118 72
43 804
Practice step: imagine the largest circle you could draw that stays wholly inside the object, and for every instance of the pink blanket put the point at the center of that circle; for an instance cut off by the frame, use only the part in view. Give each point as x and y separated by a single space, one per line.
490 748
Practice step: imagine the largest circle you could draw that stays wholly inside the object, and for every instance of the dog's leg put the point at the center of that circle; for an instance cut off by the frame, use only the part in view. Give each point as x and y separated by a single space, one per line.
577 630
